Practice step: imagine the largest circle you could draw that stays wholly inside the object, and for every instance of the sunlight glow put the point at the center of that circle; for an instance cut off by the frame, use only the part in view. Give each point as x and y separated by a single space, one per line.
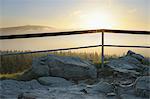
97 20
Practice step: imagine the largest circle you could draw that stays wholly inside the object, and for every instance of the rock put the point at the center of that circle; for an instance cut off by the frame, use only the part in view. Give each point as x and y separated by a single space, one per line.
137 56
130 52
102 87
111 94
146 61
17 85
26 96
88 81
34 84
129 64
54 81
142 86
61 66
71 67
142 59
14 91
10 89
38 69
146 71
130 96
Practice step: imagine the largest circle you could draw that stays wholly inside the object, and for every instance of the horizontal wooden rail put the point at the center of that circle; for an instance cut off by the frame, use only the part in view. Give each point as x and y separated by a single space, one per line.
73 48
127 46
4 37
53 50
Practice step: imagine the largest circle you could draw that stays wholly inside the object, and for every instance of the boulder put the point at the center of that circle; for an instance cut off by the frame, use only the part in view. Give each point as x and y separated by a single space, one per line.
71 67
142 86
26 96
38 69
18 90
129 64
130 96
60 66
10 89
16 85
101 87
146 71
54 81
137 56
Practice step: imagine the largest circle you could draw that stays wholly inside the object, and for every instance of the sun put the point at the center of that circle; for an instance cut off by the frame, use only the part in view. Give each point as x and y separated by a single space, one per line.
97 21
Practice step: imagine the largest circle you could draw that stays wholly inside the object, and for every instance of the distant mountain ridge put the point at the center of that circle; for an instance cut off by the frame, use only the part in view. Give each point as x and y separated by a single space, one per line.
26 29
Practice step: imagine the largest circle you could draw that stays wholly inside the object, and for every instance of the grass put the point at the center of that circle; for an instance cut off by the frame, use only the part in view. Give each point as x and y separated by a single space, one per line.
18 74
10 76
99 64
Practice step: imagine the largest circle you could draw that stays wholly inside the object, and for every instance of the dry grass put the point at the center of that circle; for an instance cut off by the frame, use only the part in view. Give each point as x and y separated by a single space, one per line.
10 76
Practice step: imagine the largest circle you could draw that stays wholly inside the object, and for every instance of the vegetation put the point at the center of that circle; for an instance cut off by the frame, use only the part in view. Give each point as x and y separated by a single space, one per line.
10 76
20 62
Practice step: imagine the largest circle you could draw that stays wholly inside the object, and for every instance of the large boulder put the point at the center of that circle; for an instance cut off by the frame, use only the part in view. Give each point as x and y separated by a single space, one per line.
129 64
9 89
38 69
71 67
142 86
60 66
12 89
54 81
17 85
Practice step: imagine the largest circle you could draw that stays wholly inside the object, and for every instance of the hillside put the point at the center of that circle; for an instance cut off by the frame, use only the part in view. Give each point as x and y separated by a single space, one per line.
26 29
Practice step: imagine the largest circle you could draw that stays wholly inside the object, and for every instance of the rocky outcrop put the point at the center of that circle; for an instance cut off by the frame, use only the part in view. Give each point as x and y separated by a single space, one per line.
142 86
17 85
54 81
16 91
131 64
117 85
10 89
101 87
60 66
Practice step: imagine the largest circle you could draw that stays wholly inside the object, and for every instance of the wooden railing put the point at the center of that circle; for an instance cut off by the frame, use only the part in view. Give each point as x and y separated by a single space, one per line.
102 31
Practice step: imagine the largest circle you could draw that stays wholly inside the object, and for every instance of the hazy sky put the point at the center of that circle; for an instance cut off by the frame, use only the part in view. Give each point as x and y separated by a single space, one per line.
75 14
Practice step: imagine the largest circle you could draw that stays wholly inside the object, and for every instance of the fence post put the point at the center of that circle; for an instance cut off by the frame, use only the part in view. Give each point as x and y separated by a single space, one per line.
102 57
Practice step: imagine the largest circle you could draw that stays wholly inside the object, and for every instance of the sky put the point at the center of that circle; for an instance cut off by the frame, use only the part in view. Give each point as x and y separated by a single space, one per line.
75 15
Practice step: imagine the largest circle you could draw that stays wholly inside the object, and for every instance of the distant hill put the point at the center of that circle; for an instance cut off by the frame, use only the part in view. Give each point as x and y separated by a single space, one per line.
26 29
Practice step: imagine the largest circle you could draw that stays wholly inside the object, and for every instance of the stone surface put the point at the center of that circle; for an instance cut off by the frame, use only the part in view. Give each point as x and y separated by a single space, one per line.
118 85
71 67
10 89
102 87
26 96
146 71
16 85
38 69
137 56
142 86
65 92
129 64
54 81
129 96
61 66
